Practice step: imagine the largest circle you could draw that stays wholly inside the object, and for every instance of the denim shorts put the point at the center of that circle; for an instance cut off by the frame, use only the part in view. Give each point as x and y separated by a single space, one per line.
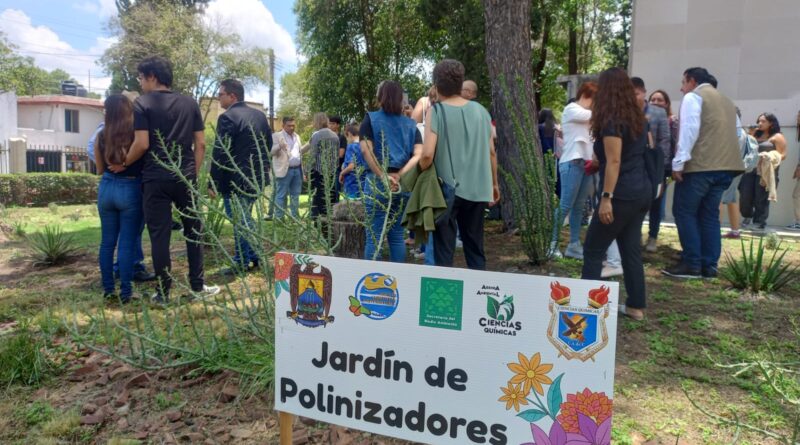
729 195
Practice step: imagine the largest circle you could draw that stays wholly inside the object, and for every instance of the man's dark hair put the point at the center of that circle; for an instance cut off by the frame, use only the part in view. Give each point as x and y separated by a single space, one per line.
390 96
448 76
638 83
233 86
158 67
699 75
287 119
712 80
335 120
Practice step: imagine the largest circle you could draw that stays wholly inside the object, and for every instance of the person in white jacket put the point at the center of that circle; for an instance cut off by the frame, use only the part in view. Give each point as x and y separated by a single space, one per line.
576 185
287 166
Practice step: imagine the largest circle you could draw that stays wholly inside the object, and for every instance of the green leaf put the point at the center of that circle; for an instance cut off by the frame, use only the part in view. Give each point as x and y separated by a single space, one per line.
364 310
554 397
354 302
491 307
532 415
508 299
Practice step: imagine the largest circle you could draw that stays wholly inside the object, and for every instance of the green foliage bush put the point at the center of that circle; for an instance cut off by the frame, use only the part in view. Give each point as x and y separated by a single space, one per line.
52 245
22 359
755 272
41 189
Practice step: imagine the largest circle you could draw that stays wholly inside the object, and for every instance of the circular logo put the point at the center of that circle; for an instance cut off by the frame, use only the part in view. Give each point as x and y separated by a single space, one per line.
377 296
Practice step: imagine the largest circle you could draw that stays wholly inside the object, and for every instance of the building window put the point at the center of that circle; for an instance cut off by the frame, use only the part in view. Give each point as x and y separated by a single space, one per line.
71 121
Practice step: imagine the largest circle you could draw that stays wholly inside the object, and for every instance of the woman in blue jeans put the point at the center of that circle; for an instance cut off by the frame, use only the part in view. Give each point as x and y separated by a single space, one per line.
391 145
119 197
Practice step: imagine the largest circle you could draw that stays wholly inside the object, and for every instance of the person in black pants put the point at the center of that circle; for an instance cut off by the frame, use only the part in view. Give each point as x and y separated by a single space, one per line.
620 132
166 124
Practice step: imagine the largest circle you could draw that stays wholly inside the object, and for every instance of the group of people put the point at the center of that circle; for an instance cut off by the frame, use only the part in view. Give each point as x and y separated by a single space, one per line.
151 151
603 149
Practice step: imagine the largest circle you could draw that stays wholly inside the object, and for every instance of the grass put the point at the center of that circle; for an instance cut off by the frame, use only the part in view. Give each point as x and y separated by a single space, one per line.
692 326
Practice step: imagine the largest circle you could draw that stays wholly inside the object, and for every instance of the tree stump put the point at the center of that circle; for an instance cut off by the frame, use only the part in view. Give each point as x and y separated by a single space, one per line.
348 229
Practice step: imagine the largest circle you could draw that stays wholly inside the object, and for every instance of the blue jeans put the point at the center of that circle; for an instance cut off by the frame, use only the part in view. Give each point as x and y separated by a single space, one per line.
375 203
119 203
242 223
575 187
429 258
290 185
696 211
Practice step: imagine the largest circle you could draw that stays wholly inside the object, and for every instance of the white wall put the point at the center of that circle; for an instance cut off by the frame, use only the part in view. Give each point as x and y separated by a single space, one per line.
751 46
8 116
44 124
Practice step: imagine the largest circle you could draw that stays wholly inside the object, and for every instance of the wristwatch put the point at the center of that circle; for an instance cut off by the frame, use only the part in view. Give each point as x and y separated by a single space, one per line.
608 195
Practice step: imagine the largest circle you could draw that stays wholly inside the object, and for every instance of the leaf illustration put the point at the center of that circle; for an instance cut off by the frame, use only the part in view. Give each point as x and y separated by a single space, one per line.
554 397
532 415
365 311
354 301
508 299
492 307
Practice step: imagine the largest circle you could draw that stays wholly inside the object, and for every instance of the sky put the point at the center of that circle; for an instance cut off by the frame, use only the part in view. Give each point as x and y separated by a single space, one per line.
71 34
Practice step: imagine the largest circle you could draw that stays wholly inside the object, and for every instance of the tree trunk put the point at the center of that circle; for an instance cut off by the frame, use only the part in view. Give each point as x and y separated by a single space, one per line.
572 60
538 70
508 57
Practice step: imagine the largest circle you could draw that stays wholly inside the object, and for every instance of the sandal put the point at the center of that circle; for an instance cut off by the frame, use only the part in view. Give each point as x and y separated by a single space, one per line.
633 313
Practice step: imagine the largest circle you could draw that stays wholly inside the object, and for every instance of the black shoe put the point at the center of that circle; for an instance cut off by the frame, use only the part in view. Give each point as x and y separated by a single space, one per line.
681 270
709 272
159 300
177 226
141 276
109 296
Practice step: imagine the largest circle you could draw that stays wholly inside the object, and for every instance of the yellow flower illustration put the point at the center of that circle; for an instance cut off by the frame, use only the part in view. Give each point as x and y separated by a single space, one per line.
531 373
513 396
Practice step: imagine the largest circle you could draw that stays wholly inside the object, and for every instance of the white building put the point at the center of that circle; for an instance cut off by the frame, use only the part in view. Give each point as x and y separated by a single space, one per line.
58 121
750 46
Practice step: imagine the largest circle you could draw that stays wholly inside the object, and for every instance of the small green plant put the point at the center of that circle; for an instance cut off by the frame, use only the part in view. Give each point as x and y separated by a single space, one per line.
772 241
52 245
18 228
754 272
22 359
53 208
36 413
165 401
75 216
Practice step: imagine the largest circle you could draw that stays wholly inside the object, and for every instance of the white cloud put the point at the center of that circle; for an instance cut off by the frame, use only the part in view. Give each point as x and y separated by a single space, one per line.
102 8
51 52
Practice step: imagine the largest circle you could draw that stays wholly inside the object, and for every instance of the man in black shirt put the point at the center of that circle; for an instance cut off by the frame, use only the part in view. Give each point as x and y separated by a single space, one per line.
166 124
241 166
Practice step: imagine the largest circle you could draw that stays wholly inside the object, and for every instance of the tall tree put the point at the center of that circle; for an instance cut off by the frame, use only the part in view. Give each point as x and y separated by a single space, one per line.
351 45
508 56
202 52
124 6
294 100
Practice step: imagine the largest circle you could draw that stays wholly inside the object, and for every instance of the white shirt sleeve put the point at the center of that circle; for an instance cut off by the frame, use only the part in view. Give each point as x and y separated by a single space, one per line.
577 114
691 107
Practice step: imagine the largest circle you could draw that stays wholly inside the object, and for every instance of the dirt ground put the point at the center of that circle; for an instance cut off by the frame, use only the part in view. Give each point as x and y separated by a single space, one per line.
688 324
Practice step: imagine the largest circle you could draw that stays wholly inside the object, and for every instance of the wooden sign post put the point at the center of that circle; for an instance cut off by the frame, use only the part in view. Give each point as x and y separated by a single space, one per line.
286 421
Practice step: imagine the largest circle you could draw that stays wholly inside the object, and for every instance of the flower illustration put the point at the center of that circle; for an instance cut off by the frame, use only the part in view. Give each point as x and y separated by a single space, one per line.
283 265
531 373
557 435
594 406
513 396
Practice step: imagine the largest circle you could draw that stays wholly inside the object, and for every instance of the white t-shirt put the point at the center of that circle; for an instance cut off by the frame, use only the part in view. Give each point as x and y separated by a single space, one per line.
576 128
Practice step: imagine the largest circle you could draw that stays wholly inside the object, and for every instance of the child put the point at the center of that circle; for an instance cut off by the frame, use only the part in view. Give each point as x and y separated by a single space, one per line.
354 166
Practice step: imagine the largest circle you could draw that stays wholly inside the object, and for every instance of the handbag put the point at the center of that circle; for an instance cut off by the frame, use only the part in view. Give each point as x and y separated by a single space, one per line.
448 191
654 164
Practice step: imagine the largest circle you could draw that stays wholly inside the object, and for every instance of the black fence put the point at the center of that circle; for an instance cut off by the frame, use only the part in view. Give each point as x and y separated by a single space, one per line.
48 158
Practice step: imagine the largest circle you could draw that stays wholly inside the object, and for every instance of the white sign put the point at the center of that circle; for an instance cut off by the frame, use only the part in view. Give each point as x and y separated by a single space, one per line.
445 356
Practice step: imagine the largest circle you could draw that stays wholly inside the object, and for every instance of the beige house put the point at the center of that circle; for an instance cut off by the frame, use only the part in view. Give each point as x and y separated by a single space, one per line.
58 121
751 47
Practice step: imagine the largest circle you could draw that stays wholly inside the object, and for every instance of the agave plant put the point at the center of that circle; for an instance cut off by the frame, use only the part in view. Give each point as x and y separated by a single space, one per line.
52 245
753 271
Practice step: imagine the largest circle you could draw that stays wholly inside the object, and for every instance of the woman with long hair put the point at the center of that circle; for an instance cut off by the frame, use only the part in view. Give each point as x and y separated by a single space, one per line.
576 185
119 197
754 196
391 145
660 98
620 135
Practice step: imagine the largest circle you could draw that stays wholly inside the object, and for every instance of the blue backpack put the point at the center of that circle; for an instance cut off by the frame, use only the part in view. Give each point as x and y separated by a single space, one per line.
748 146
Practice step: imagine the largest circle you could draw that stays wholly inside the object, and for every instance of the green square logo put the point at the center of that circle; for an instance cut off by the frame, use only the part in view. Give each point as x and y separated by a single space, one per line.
441 303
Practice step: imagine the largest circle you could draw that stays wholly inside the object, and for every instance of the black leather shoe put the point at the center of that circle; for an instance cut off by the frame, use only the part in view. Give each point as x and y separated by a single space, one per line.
141 276
681 270
709 272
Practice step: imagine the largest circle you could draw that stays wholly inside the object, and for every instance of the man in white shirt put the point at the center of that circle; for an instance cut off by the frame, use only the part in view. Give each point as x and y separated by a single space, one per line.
706 161
287 165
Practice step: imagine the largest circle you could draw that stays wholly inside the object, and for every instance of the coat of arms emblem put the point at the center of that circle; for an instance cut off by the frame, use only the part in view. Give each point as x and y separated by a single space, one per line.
578 332
310 288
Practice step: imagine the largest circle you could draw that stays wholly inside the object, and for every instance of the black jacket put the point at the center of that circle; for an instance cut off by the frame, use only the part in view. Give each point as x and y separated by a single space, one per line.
245 134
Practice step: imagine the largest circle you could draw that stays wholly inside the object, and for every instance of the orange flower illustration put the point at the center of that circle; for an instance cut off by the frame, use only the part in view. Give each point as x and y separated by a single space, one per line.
513 396
592 404
283 265
531 373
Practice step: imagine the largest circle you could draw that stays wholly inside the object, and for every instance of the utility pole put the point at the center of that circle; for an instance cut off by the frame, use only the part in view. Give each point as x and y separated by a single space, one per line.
272 89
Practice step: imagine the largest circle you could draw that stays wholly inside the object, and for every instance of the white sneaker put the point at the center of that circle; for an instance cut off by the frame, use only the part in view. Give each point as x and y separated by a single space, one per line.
208 291
554 253
795 226
611 271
